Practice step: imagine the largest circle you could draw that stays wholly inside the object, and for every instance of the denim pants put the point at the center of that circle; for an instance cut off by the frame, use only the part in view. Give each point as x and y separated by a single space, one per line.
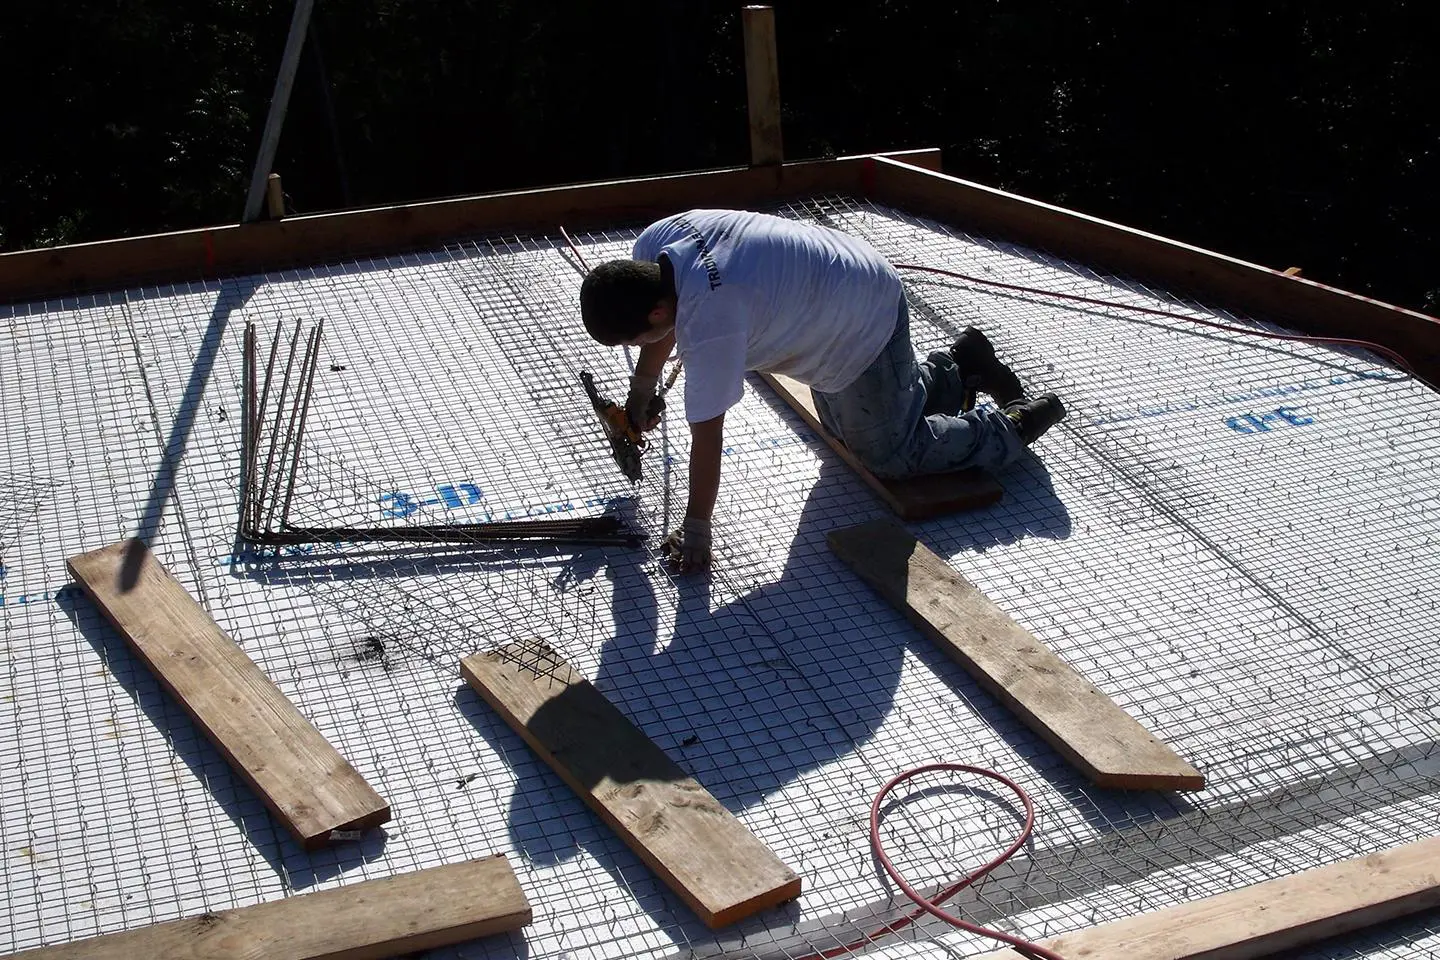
900 417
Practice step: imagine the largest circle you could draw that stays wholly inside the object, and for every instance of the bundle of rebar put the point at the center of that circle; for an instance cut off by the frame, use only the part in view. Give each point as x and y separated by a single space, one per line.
264 487
273 426
599 531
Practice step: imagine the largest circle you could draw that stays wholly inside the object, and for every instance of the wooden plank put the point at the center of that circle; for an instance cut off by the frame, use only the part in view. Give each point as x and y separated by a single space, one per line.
1180 268
373 919
914 498
1268 917
227 250
306 784
926 158
762 85
1072 715
685 835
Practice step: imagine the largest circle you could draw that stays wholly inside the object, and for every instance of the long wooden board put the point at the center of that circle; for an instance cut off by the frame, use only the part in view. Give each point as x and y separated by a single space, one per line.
369 920
709 858
909 180
306 784
1179 267
1269 917
1071 714
915 498
231 249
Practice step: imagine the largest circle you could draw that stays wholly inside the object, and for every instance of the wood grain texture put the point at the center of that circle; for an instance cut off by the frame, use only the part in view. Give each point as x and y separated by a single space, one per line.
1268 917
915 498
1180 268
306 784
709 858
369 920
229 250
762 85
1084 725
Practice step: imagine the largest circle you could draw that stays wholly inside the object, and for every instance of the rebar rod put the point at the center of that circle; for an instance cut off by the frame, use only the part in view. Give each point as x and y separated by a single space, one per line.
257 498
248 426
308 381
267 505
450 533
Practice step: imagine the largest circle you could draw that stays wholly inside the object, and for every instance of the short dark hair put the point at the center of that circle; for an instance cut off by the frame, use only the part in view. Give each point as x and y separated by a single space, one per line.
617 297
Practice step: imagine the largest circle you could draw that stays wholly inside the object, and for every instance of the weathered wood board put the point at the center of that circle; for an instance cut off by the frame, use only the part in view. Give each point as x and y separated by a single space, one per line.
388 917
1071 714
304 781
709 858
1268 917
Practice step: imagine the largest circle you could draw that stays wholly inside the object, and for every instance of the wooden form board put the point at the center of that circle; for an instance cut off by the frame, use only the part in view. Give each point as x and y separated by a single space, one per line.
306 784
232 249
915 498
373 919
1268 917
709 858
1180 268
908 180
1068 712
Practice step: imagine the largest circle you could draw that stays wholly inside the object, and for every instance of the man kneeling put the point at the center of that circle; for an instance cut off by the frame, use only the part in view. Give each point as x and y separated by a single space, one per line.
738 291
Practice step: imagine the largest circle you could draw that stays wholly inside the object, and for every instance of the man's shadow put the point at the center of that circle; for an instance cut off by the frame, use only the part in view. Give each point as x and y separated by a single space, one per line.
745 696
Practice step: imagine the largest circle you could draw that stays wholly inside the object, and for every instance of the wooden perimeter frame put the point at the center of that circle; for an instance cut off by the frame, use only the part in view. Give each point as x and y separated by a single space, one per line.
1178 267
908 180
326 237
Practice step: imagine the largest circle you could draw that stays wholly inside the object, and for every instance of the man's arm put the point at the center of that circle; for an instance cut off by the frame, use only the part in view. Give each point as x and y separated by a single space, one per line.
689 547
706 441
639 402
653 356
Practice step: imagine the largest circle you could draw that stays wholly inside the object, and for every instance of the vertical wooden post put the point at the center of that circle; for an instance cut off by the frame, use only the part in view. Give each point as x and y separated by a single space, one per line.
274 197
762 81
279 103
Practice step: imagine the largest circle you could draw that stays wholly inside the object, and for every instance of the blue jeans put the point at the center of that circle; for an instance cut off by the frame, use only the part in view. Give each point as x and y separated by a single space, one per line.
900 417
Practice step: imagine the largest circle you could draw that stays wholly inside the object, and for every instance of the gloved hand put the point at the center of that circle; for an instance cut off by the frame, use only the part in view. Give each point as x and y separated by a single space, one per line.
642 406
688 549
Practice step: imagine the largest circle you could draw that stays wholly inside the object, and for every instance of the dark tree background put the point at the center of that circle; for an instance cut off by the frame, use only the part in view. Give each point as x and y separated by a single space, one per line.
1286 133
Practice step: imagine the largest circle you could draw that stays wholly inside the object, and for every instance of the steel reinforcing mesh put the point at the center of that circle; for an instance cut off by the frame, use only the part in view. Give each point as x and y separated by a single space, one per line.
1235 538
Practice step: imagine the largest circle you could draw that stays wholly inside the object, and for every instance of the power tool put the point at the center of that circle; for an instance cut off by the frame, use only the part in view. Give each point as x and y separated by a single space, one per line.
626 441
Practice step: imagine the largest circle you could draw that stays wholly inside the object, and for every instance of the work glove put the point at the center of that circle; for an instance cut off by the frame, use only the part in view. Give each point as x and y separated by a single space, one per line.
688 549
642 406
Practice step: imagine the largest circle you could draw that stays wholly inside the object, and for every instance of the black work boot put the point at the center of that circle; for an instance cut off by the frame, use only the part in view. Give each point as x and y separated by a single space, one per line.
1033 417
974 355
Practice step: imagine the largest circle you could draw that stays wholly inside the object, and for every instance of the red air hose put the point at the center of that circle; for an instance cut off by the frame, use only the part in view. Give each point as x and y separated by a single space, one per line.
931 905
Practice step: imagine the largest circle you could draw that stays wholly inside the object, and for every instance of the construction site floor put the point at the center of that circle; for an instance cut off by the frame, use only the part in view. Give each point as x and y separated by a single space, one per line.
1237 539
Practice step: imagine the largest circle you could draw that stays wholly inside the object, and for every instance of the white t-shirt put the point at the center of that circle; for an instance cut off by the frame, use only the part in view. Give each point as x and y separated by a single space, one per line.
759 292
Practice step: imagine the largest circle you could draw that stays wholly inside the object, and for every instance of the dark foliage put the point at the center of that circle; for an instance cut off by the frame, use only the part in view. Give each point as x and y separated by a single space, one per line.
1285 133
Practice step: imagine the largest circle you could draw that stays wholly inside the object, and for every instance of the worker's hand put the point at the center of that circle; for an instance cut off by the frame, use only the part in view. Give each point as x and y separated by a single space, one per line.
642 406
688 549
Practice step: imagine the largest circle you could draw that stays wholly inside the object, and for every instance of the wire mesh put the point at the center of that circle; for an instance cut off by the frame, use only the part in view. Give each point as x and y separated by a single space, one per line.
1231 537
